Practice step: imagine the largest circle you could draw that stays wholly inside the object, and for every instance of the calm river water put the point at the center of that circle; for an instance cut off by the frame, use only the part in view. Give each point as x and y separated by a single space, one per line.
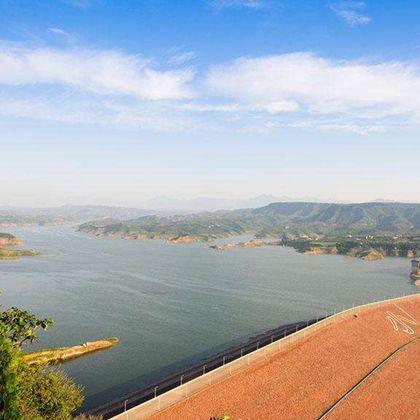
171 305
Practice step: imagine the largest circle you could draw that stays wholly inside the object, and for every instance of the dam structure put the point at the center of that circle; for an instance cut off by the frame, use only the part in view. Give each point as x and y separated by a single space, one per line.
343 366
189 378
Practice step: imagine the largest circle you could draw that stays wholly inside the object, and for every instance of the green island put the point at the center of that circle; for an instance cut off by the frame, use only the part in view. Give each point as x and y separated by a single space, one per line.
367 230
6 253
62 354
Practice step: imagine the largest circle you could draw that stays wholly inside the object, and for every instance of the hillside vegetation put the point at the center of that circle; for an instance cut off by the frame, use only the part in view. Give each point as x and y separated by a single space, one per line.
368 248
291 220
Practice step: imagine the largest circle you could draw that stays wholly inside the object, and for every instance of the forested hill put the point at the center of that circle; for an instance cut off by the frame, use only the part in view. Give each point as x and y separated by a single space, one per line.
292 219
369 218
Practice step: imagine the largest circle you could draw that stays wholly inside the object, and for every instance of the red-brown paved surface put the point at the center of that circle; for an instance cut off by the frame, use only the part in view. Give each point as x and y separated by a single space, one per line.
305 379
391 393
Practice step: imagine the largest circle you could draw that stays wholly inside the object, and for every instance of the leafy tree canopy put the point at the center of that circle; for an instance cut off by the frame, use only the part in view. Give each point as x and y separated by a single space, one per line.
20 326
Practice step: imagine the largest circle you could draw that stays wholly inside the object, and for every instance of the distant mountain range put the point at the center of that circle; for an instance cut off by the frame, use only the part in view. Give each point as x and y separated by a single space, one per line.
216 203
292 219
157 206
67 214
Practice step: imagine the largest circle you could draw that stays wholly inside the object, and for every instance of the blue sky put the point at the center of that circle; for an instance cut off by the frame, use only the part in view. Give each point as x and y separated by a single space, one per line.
115 102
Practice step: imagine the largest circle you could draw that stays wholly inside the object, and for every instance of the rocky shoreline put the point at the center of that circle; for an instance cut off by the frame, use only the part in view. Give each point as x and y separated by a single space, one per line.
252 243
364 254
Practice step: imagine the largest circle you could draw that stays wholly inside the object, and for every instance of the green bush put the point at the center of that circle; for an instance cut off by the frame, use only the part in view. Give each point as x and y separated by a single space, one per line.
31 392
9 398
46 393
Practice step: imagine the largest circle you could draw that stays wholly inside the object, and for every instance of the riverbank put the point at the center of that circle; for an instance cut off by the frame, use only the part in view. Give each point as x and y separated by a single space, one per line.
62 354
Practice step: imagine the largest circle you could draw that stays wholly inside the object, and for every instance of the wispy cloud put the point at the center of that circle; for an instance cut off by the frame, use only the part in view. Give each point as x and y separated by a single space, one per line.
101 72
351 12
75 108
60 32
181 58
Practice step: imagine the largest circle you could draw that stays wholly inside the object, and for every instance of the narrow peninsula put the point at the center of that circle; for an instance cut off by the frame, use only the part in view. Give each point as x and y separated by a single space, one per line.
62 354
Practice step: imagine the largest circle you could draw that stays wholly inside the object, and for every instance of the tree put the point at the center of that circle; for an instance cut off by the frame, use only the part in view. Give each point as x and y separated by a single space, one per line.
46 393
20 326
9 398
31 392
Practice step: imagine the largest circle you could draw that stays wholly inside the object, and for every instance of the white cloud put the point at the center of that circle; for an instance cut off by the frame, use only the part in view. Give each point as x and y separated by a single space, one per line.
296 90
314 85
350 12
208 107
181 58
101 72
271 108
58 31
278 106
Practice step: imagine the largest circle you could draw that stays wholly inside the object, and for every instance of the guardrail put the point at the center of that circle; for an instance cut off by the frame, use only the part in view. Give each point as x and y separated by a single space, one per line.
154 398
208 365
